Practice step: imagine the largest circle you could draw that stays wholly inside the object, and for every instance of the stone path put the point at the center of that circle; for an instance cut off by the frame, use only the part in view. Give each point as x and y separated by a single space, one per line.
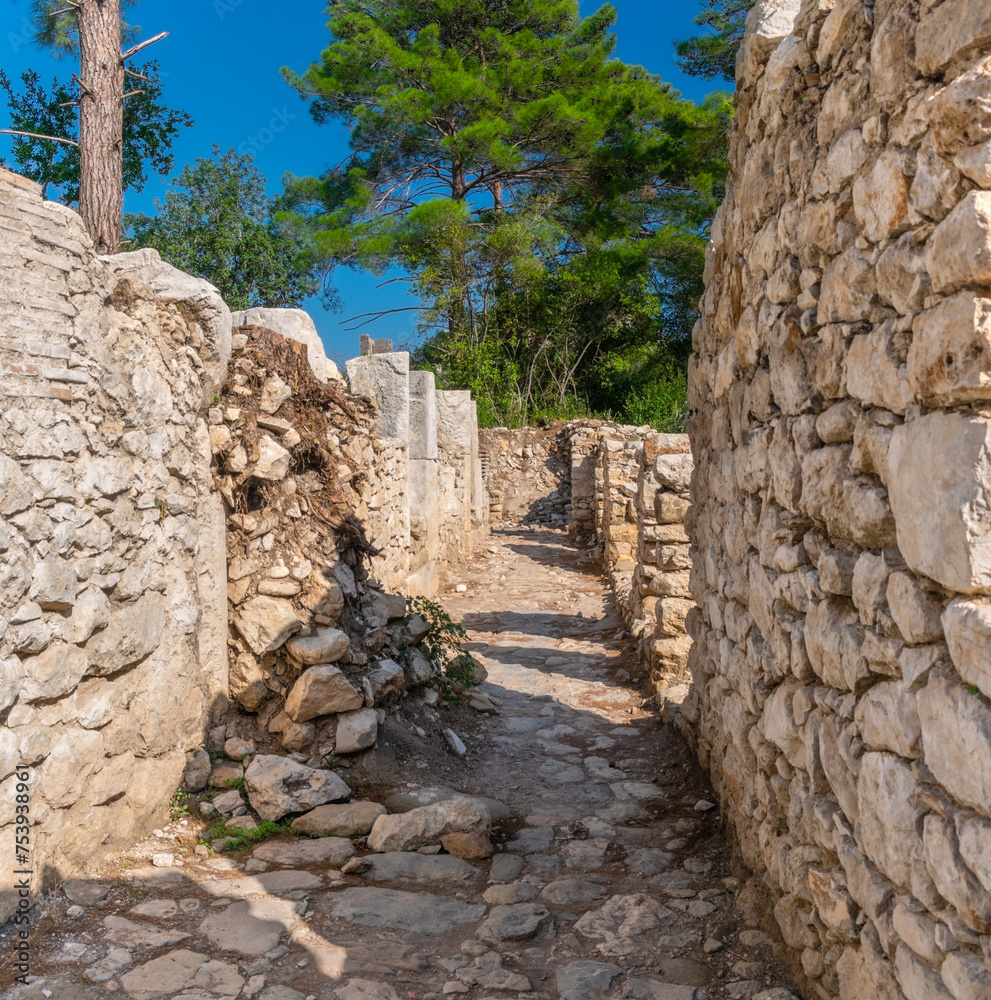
610 878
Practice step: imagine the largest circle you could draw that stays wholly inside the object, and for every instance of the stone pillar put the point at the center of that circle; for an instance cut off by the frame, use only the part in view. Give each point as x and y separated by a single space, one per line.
454 450
479 504
384 378
423 483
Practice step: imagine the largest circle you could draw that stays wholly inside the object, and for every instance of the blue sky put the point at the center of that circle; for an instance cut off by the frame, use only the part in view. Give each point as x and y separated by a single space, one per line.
221 64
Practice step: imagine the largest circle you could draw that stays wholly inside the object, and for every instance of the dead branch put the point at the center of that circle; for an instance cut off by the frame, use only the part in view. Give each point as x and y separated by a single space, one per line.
35 135
135 49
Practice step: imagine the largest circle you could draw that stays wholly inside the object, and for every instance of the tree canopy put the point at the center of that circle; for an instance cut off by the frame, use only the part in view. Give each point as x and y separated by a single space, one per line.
549 202
217 223
713 53
150 127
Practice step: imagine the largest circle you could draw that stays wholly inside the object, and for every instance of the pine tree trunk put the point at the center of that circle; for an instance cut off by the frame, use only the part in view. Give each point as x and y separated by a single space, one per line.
101 123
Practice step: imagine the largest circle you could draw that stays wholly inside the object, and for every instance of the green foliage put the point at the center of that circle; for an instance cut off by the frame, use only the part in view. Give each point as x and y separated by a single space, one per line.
454 667
712 55
56 29
241 839
550 203
217 223
179 805
149 129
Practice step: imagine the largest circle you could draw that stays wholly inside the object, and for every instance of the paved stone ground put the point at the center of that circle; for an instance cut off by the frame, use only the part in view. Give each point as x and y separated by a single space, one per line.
610 879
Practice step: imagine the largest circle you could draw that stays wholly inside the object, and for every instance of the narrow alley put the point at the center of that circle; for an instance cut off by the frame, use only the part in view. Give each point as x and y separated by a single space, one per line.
610 878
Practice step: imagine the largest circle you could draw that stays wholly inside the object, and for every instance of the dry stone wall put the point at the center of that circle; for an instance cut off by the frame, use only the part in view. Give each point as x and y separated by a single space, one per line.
840 395
112 567
139 462
622 495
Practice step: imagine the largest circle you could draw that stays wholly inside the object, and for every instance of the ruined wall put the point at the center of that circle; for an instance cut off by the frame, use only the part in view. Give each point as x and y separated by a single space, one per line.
112 569
840 530
621 493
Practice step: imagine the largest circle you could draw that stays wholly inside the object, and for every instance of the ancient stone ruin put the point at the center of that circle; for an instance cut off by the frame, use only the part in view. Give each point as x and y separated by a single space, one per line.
207 540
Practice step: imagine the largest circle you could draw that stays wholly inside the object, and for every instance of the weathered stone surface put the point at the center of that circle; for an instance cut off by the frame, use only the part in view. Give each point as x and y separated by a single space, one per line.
956 736
250 927
421 914
321 690
356 730
959 251
427 824
942 529
949 361
266 623
430 868
472 846
332 851
625 925
53 673
954 30
352 819
277 786
967 625
516 922
325 645
584 980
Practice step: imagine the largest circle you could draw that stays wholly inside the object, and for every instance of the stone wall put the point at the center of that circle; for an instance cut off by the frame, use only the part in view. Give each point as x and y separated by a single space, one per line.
840 395
112 568
137 462
621 493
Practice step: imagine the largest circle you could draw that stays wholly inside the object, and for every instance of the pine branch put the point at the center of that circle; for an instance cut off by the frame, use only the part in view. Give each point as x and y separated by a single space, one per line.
135 49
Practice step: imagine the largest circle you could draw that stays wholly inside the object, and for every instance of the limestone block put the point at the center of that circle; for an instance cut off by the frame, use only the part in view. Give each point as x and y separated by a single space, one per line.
266 623
356 730
942 508
888 717
917 980
833 902
888 816
848 288
967 624
325 645
671 613
875 375
974 835
916 611
852 508
293 324
427 824
959 251
973 162
321 690
955 30
277 786
966 977
768 24
670 509
16 493
833 637
54 584
134 632
422 416
956 883
937 185
273 459
247 681
956 737
949 361
453 423
902 279
880 198
674 472
385 379
387 678
53 673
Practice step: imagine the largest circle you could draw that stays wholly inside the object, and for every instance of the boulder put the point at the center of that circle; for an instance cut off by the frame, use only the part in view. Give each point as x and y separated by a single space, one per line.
322 690
387 678
273 460
356 730
277 786
266 622
325 645
426 825
197 771
352 819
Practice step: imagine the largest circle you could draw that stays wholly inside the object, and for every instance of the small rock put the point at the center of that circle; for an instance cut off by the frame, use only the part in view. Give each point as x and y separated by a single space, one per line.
238 749
712 945
454 742
75 912
197 772
356 866
163 860
472 846
356 730
506 867
704 805
517 922
506 895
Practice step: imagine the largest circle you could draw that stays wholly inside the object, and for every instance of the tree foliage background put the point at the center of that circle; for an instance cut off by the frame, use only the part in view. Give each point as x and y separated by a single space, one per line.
549 203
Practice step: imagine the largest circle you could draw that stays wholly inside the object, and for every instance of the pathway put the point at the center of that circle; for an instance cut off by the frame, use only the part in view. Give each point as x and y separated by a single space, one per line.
610 877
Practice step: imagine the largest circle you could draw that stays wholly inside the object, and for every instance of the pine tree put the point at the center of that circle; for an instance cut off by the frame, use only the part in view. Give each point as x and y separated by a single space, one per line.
714 55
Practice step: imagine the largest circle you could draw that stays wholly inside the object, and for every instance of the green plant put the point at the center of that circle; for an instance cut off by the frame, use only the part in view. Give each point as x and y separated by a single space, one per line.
972 688
216 398
243 838
331 761
237 783
163 508
454 666
179 804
